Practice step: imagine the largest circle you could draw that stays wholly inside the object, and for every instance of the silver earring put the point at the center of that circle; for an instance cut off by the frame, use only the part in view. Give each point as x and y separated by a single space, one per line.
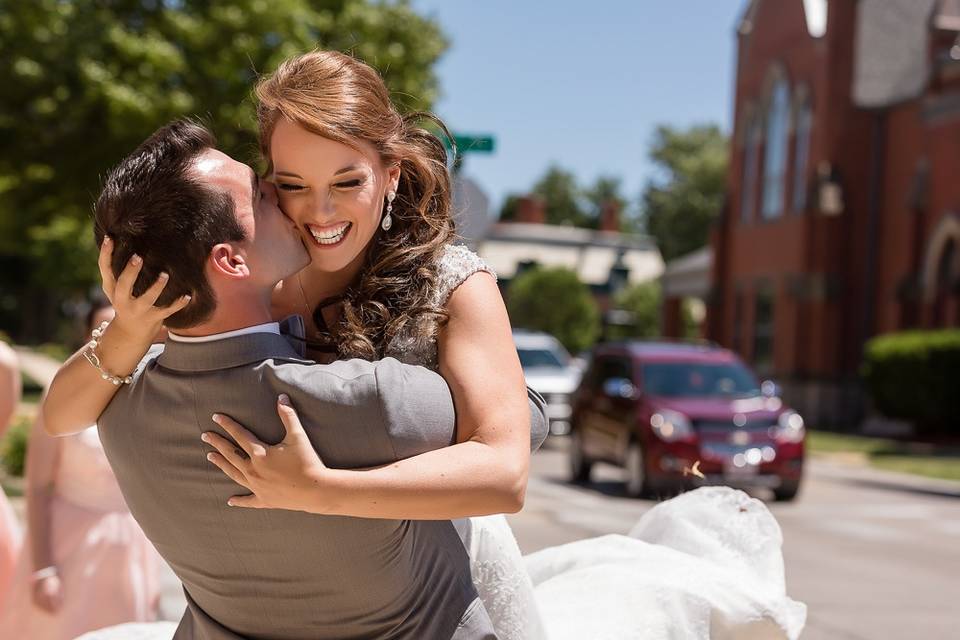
388 219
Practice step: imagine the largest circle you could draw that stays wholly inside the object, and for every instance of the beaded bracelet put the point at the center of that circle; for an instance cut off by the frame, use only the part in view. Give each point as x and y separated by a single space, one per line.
91 355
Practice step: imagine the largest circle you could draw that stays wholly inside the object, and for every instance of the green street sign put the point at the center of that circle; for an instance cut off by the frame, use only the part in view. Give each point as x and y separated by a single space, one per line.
472 144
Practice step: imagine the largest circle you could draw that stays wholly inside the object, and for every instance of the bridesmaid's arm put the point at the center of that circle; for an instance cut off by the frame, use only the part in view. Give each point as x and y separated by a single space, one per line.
78 394
10 385
484 473
42 458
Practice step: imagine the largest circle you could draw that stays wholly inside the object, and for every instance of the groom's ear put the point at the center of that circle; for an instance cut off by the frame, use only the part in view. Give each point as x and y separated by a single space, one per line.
228 261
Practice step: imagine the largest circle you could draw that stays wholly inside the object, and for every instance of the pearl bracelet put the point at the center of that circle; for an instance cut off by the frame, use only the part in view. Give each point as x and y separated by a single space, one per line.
90 354
46 572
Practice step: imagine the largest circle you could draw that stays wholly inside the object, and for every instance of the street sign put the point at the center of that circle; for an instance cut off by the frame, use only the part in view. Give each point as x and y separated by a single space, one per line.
471 144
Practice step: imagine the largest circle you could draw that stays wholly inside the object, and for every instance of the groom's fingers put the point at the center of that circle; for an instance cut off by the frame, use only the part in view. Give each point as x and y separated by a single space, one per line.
232 472
247 441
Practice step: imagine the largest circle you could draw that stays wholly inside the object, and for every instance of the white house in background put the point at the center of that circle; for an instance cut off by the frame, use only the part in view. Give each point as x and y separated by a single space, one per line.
606 260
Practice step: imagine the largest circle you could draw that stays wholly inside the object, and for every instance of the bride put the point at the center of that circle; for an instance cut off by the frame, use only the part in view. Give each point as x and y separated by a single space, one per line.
371 194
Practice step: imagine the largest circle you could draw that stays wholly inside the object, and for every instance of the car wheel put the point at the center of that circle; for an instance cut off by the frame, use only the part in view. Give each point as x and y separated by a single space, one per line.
786 492
580 465
636 472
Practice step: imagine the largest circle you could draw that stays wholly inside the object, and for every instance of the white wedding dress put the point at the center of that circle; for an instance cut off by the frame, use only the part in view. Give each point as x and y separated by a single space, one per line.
706 565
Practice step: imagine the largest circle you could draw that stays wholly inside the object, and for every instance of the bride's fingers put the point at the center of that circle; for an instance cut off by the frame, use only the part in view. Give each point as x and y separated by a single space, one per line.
289 418
251 501
232 472
231 452
124 288
247 441
175 306
150 296
104 260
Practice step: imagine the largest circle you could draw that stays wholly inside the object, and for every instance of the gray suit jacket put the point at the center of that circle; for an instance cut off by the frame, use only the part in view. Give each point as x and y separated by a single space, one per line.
282 574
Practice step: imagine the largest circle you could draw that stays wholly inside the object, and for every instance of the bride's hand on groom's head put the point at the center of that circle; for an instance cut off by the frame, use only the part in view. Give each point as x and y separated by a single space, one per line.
287 475
137 316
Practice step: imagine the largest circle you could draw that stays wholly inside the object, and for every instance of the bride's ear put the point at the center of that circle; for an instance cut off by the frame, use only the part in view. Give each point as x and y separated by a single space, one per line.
393 176
227 261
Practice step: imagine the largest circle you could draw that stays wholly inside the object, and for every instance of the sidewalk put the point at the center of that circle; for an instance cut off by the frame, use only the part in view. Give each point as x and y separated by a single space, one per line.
848 469
38 366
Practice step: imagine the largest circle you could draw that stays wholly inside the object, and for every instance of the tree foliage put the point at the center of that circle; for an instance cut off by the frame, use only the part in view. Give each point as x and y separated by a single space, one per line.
679 205
567 202
642 301
554 301
85 81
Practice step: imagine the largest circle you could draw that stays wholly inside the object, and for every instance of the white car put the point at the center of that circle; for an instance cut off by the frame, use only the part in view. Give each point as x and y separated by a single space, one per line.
549 371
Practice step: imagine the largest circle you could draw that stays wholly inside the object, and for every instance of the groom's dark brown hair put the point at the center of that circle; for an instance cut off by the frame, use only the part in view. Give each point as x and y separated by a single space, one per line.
151 205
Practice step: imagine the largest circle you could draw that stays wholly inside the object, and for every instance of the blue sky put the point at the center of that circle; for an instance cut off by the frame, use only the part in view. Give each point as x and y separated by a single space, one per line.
580 84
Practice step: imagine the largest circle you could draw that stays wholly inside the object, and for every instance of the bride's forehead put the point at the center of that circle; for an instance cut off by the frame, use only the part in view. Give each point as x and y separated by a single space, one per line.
291 143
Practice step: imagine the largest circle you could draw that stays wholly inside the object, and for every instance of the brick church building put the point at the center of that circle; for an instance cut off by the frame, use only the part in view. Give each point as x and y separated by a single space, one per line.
842 219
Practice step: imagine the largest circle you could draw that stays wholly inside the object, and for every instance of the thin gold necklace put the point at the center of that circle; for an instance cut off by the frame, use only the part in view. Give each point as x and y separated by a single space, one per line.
303 295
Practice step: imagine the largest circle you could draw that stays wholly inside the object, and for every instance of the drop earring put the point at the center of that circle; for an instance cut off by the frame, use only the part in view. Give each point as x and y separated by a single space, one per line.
387 218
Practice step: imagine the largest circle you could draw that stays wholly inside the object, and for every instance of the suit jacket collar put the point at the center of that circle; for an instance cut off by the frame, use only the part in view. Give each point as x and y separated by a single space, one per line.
237 351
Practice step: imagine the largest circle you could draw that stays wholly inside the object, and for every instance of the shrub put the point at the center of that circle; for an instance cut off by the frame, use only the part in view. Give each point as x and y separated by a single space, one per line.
913 375
554 301
13 446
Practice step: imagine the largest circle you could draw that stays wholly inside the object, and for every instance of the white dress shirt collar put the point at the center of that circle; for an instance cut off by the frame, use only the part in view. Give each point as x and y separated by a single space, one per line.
267 327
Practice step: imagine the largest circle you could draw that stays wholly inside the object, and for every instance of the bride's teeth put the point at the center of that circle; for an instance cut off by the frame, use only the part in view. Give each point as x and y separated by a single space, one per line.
330 238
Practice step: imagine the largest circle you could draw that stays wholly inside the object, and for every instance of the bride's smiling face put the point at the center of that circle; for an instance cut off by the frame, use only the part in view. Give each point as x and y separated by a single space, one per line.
336 193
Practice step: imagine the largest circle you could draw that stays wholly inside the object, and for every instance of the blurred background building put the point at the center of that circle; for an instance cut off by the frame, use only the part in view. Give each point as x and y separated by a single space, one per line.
841 219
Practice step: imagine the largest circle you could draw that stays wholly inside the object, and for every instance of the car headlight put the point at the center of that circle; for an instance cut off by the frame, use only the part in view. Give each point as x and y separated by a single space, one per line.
790 427
671 426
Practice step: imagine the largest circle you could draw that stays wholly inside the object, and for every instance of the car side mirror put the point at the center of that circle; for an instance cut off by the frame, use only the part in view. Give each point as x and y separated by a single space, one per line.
620 388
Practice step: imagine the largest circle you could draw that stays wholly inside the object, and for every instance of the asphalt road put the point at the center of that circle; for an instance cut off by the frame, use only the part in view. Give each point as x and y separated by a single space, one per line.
872 557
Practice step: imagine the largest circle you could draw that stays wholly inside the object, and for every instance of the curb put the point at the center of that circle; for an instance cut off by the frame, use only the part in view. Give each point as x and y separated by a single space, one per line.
863 474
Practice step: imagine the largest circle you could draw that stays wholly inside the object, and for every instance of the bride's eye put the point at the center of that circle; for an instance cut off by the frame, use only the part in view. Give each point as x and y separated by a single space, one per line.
289 187
349 184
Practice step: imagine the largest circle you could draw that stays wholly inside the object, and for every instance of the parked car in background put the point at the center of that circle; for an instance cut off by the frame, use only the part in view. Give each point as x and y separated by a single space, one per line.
549 371
656 408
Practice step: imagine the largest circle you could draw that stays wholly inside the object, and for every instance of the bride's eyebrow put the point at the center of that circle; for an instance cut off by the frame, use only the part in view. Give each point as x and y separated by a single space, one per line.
347 169
287 174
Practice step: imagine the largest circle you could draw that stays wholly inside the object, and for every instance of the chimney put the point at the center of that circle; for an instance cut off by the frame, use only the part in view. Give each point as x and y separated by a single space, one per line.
531 209
610 216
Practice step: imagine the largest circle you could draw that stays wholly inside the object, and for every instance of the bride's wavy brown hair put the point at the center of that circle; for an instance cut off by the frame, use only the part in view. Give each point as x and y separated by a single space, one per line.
340 98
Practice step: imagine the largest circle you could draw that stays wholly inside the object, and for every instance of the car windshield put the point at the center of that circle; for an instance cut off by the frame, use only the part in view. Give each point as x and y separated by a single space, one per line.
673 379
530 358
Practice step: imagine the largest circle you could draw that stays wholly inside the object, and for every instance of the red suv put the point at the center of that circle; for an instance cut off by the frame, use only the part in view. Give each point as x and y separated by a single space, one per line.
656 408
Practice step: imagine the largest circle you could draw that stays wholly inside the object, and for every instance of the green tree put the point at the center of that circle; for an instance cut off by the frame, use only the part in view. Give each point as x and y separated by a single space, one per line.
642 302
678 207
554 301
563 198
86 81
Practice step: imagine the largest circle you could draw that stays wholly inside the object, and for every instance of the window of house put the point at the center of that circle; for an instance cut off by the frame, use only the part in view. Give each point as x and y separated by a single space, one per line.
775 150
763 330
748 188
800 156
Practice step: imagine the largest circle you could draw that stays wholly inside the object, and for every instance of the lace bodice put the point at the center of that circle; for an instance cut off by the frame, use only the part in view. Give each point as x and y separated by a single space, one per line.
456 264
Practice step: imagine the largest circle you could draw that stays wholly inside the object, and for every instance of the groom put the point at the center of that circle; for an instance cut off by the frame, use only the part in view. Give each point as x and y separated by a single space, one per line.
199 215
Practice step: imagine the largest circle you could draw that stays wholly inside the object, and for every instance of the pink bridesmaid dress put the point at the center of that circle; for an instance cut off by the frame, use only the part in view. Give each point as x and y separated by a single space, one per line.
10 540
108 568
